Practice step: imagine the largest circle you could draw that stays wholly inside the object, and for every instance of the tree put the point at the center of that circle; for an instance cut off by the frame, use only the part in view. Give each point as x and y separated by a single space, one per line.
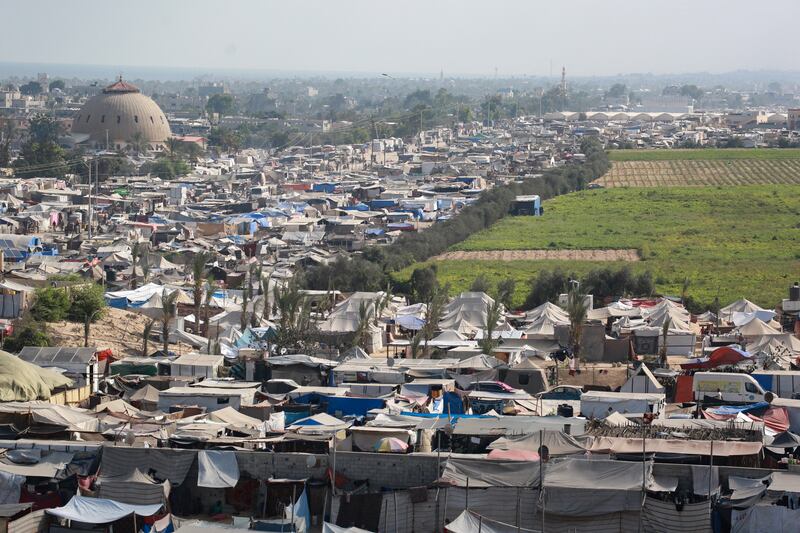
361 335
222 104
505 292
169 309
296 329
56 84
246 296
576 310
136 252
32 88
480 284
198 280
617 90
52 304
424 283
685 290
207 307
88 304
148 328
433 313
41 154
7 136
493 315
27 334
662 350
166 168
139 144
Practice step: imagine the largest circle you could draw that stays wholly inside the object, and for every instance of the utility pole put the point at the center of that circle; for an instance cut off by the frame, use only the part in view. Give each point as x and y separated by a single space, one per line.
89 216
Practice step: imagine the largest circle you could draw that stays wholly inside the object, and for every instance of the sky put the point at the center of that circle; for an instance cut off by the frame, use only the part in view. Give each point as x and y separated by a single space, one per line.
463 37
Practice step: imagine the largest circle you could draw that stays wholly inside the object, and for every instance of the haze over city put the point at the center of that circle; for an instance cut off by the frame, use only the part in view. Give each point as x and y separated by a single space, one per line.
463 37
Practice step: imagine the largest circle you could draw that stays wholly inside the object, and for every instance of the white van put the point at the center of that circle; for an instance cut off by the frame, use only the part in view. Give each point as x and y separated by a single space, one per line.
733 388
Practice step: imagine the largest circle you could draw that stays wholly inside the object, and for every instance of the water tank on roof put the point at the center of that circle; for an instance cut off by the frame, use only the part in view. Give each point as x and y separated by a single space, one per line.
794 292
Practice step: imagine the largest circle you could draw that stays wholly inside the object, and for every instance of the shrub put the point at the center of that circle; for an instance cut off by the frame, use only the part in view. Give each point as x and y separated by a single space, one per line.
51 305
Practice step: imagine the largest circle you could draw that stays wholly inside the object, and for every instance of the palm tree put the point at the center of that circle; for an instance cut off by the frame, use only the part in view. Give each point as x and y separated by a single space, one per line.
685 290
136 252
576 309
198 269
433 313
207 307
138 143
493 316
168 312
173 145
148 327
662 352
361 334
145 260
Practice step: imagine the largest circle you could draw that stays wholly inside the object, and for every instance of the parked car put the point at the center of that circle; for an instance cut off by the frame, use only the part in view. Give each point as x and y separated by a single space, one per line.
491 386
562 392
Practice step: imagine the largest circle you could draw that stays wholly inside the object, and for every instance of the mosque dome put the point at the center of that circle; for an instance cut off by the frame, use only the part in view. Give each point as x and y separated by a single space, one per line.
121 114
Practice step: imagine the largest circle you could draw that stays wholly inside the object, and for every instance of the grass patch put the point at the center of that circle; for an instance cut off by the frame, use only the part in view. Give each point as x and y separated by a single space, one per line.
732 242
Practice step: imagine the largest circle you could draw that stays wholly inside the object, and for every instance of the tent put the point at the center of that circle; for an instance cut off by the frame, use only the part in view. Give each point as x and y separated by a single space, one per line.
217 469
739 306
471 522
467 312
21 381
99 510
642 380
723 356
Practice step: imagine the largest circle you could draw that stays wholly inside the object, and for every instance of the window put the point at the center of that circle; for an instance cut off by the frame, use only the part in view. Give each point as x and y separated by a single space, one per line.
222 401
136 118
118 119
749 387
524 379
102 119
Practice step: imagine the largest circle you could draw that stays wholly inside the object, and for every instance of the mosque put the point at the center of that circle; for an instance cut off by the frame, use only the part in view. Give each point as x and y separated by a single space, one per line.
119 116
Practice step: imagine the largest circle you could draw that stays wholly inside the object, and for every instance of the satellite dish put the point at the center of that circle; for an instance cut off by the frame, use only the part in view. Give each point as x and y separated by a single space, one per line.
390 362
311 461
130 438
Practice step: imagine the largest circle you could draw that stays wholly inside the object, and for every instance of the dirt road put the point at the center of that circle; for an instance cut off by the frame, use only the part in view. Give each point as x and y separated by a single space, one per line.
528 255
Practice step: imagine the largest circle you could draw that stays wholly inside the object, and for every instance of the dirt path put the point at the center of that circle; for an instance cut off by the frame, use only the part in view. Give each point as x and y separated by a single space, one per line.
527 255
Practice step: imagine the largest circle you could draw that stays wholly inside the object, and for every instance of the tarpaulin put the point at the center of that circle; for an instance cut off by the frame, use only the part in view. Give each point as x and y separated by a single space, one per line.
677 446
577 487
557 443
217 469
726 355
482 473
469 522
10 485
100 511
343 405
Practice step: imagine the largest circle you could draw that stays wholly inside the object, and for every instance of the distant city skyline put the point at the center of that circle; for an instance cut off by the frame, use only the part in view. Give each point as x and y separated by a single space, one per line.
466 37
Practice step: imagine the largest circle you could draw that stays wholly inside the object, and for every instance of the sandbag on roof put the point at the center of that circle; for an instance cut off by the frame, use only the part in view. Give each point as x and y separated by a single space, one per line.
482 473
100 511
21 381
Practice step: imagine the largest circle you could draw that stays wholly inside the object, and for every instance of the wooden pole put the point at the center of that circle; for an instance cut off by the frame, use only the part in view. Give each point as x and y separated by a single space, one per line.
541 474
467 495
394 494
710 471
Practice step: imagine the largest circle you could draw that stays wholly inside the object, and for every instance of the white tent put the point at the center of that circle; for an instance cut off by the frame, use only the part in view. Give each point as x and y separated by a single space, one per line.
739 306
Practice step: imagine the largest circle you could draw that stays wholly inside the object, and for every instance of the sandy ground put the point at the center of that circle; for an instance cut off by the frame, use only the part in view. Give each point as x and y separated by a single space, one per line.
565 255
119 330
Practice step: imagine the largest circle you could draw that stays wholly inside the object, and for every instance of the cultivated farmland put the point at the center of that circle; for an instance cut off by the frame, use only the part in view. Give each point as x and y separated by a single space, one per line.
702 167
731 242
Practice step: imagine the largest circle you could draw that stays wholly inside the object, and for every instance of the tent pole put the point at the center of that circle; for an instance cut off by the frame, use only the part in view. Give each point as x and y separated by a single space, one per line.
541 474
644 473
394 494
444 514
518 513
466 496
294 501
710 470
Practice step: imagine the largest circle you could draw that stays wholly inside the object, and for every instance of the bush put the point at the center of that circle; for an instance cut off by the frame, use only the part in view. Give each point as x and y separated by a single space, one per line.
29 334
51 305
87 301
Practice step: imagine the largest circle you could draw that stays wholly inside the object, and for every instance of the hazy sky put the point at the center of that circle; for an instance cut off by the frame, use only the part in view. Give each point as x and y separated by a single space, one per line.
518 37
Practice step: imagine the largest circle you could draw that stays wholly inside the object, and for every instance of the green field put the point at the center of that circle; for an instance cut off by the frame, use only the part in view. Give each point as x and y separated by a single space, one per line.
730 242
704 154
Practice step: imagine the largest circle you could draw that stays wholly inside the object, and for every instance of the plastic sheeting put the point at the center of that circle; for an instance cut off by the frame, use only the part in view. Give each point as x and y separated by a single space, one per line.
167 464
469 522
100 511
577 487
10 485
217 469
480 473
760 518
